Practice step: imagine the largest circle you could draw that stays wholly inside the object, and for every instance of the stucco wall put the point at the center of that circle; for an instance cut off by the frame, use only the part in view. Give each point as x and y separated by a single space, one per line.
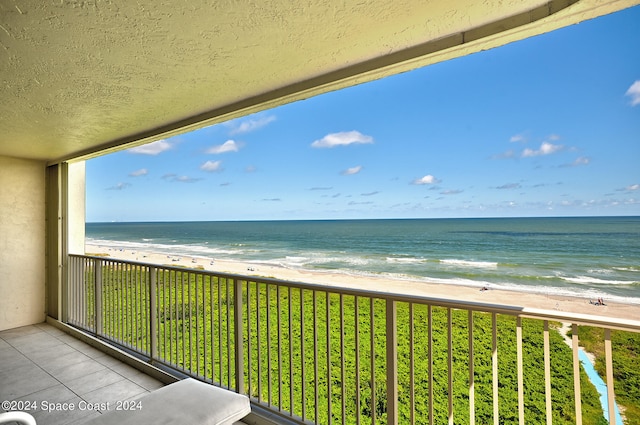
22 242
76 213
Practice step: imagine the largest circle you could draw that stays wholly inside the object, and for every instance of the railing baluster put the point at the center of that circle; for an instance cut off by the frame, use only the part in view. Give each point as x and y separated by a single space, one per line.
450 364
228 299
342 371
356 308
205 338
472 407
392 362
372 343
547 373
576 373
291 377
184 326
316 375
608 356
163 277
249 345
239 335
173 313
279 322
494 367
122 275
328 332
268 298
97 267
190 317
133 318
258 342
153 313
303 374
212 318
220 354
412 392
520 371
198 340
430 360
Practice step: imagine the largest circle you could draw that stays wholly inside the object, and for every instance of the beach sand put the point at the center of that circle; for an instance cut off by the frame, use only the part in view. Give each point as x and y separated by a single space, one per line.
551 302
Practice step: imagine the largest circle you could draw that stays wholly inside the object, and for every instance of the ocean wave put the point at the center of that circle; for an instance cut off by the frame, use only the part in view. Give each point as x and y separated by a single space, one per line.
467 263
587 280
405 260
181 249
628 269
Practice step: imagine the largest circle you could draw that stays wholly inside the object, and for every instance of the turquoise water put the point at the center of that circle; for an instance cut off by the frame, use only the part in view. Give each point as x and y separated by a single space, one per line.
586 256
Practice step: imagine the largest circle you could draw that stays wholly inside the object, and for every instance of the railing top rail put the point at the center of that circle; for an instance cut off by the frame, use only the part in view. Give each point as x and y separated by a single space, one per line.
519 311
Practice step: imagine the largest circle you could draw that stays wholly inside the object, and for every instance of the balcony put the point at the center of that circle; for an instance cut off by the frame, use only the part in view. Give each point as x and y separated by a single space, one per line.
308 354
43 368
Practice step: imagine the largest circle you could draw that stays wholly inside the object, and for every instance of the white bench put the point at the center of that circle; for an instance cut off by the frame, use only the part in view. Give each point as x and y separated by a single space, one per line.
185 402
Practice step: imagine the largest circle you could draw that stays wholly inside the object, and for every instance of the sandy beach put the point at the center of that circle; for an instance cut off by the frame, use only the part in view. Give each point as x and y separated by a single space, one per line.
551 302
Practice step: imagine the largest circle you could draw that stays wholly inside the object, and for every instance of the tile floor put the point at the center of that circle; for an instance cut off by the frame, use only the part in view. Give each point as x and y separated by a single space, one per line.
42 365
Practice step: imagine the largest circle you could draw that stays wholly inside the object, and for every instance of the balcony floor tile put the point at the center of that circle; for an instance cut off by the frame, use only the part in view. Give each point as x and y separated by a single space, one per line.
40 363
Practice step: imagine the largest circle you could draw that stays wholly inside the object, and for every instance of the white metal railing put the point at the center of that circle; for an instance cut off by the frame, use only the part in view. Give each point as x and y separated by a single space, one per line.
318 354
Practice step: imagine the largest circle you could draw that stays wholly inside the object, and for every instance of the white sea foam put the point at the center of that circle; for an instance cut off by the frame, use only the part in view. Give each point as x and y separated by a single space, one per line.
181 249
405 260
586 280
467 263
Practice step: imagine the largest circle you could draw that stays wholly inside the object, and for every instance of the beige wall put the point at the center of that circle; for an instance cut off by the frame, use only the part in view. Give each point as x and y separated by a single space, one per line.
22 242
76 210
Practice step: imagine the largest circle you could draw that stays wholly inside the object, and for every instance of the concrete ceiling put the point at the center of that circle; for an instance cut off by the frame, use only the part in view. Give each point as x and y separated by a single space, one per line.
78 76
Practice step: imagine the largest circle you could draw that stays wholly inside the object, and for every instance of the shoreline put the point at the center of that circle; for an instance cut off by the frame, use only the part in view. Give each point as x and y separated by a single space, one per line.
563 303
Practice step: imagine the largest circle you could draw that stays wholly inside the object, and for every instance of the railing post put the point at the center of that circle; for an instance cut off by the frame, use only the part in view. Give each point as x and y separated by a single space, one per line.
392 363
611 398
153 313
97 308
576 373
238 334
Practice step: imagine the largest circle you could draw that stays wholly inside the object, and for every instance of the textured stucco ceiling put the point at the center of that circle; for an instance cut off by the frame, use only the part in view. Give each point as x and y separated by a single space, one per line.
81 75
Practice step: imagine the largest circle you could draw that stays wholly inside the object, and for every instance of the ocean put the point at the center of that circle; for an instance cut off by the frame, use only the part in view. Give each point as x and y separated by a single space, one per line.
580 256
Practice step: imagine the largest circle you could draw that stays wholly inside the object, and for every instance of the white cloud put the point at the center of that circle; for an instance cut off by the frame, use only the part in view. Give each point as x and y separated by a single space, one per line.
634 93
211 166
352 170
428 179
509 186
140 172
185 179
228 146
518 138
182 179
153 148
546 148
451 192
581 160
119 186
505 155
250 124
632 187
342 139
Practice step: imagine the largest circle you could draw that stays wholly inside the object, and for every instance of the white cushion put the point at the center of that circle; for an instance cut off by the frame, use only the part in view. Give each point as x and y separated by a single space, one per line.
185 402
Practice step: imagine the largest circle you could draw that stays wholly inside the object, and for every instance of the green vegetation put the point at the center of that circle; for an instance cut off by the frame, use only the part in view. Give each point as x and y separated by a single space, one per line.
626 372
196 328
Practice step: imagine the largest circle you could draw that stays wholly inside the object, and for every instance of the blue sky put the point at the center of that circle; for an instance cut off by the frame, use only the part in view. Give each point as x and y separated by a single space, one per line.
548 126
